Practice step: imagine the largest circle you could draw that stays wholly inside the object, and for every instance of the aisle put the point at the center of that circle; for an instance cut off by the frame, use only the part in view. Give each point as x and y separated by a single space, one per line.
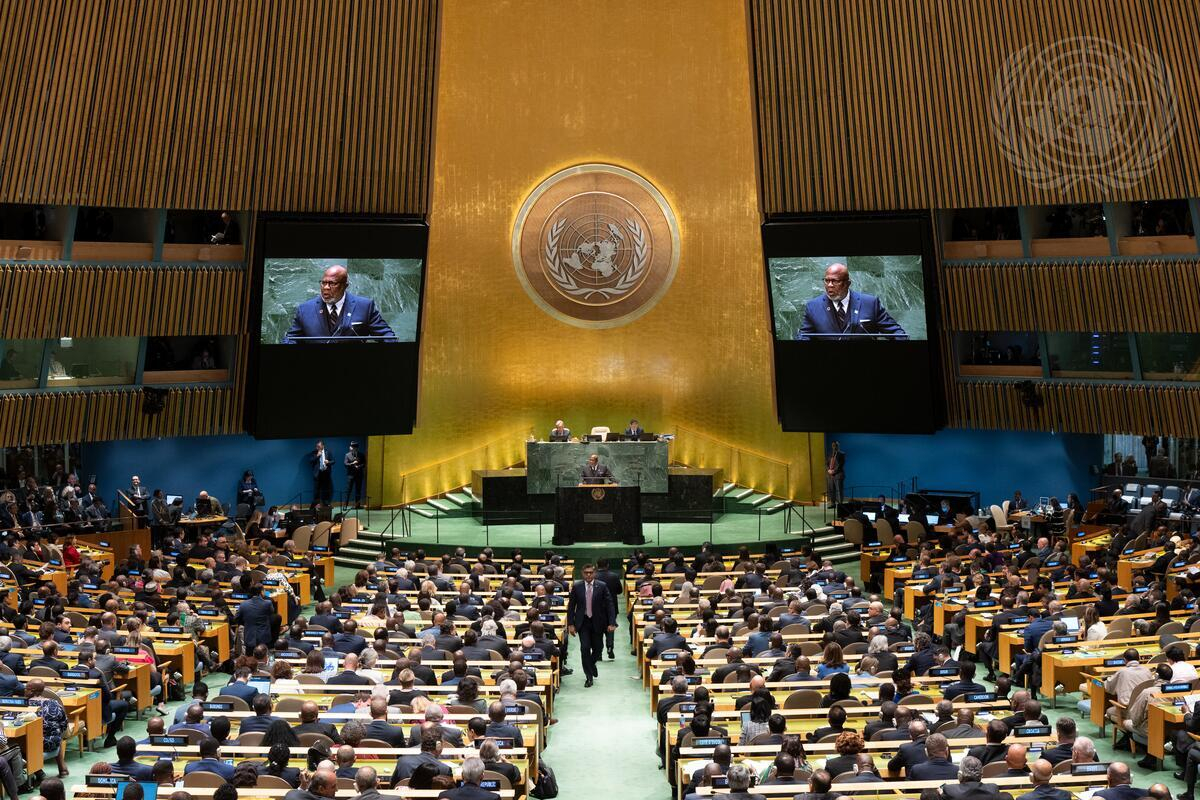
603 744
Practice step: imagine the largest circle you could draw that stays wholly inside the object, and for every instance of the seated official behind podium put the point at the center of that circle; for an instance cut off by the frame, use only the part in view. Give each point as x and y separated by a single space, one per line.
595 472
560 433
635 430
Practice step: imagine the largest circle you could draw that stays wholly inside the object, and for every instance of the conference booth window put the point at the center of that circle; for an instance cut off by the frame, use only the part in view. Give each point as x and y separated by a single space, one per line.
853 309
335 324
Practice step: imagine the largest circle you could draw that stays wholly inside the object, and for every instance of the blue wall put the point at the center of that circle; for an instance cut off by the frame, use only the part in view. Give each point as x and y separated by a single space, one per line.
184 466
994 463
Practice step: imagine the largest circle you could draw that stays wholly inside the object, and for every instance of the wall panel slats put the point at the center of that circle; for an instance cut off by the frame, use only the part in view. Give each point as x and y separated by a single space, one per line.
206 104
867 105
1152 295
50 301
1080 408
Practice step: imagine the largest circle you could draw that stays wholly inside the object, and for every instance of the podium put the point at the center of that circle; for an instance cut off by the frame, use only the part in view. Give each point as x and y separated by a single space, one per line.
598 513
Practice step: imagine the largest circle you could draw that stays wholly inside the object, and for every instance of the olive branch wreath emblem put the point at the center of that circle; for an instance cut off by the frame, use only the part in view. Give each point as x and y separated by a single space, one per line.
566 281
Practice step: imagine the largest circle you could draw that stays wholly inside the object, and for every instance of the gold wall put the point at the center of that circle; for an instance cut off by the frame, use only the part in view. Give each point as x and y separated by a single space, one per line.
528 88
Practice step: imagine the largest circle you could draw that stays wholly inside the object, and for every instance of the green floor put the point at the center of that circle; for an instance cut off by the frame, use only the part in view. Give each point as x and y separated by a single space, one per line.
603 744
729 528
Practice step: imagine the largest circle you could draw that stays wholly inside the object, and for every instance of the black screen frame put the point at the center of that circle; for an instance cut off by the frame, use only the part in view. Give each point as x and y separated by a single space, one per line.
341 389
865 386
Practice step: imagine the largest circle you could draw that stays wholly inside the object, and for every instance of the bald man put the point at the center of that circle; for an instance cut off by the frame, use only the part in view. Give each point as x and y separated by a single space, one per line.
336 313
1039 775
841 314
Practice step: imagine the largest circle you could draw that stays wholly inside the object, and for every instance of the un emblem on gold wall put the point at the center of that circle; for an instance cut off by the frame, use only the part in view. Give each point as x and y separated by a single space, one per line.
596 245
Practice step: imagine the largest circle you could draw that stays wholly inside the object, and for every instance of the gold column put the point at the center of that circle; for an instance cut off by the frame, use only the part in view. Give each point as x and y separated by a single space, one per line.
526 88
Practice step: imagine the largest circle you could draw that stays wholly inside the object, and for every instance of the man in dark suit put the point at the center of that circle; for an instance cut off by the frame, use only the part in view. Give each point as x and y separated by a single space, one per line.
472 773
210 760
348 641
969 786
669 639
1066 731
887 719
910 754
380 728
635 430
1040 774
498 728
337 314
322 472
325 618
995 749
14 661
840 312
835 475
262 719
560 432
965 684
613 581
431 746
590 615
1148 517
1118 784
49 658
435 720
595 472
239 687
937 764
254 615
349 675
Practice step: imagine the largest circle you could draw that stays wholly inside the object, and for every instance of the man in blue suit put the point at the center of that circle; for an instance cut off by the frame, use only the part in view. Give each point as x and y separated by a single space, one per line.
337 314
841 311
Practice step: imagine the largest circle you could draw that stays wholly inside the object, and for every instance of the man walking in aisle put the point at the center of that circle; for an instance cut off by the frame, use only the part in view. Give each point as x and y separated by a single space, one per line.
590 615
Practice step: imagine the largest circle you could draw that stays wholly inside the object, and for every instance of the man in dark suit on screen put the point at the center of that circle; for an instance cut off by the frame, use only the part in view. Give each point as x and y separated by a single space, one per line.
594 471
337 314
590 615
840 311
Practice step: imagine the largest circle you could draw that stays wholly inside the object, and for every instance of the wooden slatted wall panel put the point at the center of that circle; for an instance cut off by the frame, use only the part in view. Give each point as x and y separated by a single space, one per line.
42 302
1101 295
28 419
1079 408
258 104
864 104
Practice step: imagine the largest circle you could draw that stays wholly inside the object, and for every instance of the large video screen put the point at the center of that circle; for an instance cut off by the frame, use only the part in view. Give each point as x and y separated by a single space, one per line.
339 320
329 300
852 311
839 298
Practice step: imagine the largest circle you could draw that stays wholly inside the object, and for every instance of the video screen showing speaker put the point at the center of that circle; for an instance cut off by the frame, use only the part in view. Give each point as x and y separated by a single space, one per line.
853 309
841 298
332 300
337 309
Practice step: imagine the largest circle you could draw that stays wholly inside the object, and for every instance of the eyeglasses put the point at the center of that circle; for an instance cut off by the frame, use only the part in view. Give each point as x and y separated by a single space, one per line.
835 280
331 283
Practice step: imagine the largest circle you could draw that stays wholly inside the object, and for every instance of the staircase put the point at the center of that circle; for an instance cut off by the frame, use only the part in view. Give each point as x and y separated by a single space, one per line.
365 549
830 543
458 503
